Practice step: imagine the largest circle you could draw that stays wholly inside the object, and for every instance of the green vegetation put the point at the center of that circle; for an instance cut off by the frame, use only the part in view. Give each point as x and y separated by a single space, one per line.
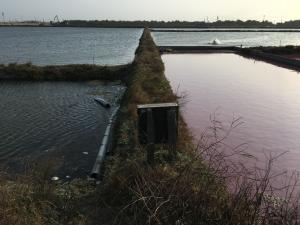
181 189
178 24
62 73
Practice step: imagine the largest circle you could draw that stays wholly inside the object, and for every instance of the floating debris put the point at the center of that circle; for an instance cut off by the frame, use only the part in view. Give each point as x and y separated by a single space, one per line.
68 177
85 153
55 178
103 102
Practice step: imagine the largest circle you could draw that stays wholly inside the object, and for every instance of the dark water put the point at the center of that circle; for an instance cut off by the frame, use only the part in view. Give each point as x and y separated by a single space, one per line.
45 46
265 97
227 38
59 120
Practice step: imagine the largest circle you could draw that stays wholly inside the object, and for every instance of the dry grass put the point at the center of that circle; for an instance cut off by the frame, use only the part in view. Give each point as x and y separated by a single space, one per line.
192 191
33 199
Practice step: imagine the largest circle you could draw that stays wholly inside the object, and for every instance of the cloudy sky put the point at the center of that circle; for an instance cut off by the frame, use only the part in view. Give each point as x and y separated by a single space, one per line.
274 10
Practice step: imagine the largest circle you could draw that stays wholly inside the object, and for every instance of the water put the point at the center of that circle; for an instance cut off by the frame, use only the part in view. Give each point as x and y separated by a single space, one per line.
264 96
247 39
59 120
49 45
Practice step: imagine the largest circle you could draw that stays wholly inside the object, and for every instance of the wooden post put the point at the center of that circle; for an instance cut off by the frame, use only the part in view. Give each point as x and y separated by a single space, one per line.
172 130
150 137
158 124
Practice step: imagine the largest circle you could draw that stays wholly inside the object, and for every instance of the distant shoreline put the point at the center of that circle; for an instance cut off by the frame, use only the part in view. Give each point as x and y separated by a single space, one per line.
228 30
226 24
171 30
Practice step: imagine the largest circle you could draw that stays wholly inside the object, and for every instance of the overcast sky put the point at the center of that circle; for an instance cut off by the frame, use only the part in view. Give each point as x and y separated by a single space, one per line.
274 10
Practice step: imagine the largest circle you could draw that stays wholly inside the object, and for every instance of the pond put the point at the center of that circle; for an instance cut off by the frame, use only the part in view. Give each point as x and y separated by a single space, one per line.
65 45
54 120
265 97
249 39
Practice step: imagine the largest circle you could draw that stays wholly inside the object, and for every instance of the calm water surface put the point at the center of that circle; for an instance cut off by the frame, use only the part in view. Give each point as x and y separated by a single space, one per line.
227 38
266 97
50 45
53 119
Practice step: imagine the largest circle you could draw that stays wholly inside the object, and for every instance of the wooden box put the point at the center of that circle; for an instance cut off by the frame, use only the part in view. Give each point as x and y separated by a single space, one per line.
158 123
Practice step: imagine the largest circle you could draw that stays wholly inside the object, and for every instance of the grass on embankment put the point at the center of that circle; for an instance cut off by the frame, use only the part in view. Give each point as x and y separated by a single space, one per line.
62 73
172 191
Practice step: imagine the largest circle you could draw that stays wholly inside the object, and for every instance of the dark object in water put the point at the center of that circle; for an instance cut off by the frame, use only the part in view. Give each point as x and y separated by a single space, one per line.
102 102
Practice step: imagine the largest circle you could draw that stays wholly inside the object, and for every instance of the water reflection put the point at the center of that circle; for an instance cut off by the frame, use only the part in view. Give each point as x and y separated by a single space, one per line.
266 97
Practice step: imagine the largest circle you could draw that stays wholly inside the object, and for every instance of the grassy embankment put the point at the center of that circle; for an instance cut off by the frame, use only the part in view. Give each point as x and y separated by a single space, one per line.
172 191
62 73
185 189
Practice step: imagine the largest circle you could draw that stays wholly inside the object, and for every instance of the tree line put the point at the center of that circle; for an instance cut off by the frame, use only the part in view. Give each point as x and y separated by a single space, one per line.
177 24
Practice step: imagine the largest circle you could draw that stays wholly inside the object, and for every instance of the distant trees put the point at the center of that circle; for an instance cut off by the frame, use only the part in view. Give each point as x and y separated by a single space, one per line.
289 24
177 24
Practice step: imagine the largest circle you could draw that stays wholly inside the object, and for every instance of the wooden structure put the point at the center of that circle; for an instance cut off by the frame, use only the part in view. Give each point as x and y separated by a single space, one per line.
158 123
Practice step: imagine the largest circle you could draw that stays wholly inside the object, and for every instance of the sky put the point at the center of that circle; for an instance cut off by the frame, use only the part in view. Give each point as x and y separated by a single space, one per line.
190 10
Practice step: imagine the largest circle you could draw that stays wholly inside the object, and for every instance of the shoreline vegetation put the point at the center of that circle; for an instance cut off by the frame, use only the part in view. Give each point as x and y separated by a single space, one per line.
293 24
195 186
179 24
84 72
285 50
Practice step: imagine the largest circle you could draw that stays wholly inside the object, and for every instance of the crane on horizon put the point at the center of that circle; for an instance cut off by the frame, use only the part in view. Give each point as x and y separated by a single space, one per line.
56 19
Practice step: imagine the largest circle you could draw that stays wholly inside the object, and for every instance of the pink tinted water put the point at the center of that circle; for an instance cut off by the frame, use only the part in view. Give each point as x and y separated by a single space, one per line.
266 97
